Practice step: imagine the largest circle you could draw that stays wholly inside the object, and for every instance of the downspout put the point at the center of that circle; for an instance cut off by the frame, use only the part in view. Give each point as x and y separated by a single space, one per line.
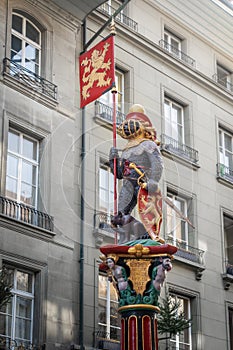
81 252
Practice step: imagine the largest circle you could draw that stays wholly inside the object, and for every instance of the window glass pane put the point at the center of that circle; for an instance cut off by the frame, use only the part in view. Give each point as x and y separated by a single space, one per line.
16 49
12 166
13 141
11 188
29 173
102 286
29 148
24 281
28 194
17 23
5 325
23 307
22 329
31 54
32 33
228 142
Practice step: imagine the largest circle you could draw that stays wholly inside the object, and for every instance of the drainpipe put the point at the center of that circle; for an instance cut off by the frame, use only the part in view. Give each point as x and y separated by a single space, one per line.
81 252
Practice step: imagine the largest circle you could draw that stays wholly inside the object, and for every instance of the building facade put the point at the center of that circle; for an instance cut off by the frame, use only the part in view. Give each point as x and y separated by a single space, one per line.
173 57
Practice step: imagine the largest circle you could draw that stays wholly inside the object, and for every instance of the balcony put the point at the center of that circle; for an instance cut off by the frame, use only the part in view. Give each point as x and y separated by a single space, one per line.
104 340
223 82
192 256
29 79
25 214
224 174
177 53
7 343
105 113
121 17
172 146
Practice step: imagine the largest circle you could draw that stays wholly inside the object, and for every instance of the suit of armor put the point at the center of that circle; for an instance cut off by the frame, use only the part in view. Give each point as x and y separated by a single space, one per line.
140 164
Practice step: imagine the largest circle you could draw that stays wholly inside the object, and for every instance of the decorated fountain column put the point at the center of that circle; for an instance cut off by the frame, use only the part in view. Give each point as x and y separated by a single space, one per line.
138 264
138 272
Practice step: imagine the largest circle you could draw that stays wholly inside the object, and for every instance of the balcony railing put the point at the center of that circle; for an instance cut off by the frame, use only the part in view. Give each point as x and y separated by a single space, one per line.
173 146
223 82
186 251
105 340
121 17
106 113
102 221
224 172
29 79
10 344
25 214
177 53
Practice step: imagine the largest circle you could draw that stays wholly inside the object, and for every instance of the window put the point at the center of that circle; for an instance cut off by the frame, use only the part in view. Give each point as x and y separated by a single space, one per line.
230 316
223 76
108 305
106 190
172 43
25 43
182 341
228 233
16 318
107 98
226 150
177 227
22 168
174 120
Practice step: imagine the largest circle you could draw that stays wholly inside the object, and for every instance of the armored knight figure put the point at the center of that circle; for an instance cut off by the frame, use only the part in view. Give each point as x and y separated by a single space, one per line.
140 166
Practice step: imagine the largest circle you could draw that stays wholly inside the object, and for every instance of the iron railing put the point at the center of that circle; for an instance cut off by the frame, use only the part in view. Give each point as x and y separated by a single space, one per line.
11 344
224 172
177 53
106 113
25 214
28 78
186 251
223 82
121 17
173 146
102 221
105 340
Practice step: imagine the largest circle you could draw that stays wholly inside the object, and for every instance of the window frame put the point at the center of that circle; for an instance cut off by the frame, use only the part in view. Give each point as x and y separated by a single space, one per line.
21 158
221 146
188 331
168 120
106 99
177 221
109 290
17 293
168 38
24 39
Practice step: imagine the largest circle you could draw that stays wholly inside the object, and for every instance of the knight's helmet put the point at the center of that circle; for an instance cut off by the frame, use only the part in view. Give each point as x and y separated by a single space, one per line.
137 123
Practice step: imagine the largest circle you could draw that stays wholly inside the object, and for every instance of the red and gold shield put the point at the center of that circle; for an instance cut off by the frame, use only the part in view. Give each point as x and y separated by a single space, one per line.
150 211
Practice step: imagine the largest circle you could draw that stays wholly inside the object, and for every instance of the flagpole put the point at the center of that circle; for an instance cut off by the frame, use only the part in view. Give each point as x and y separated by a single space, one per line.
114 92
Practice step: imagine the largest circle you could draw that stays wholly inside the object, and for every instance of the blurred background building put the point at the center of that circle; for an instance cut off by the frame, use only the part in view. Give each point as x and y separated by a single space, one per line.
176 59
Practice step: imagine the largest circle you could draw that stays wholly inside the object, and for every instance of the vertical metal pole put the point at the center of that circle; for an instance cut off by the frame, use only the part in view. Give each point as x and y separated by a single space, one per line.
81 252
114 92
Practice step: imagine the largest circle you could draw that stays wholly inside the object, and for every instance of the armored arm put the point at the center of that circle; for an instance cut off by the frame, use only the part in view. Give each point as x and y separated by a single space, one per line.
113 154
156 169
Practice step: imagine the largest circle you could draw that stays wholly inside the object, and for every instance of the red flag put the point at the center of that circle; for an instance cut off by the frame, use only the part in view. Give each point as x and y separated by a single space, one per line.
97 71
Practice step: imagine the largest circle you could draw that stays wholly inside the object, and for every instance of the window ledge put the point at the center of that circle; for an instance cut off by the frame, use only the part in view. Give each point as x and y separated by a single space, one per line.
29 91
197 267
227 280
225 180
182 160
25 228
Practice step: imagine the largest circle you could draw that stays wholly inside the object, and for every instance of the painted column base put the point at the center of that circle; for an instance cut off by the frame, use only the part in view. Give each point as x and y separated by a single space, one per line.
139 327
